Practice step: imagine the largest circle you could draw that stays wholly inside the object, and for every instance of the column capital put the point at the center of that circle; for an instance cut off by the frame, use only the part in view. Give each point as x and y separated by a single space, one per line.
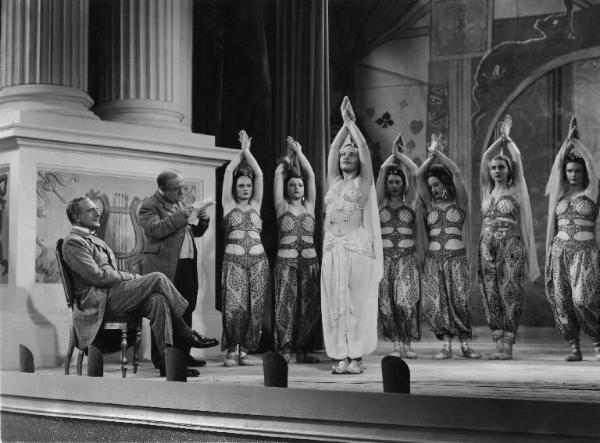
44 56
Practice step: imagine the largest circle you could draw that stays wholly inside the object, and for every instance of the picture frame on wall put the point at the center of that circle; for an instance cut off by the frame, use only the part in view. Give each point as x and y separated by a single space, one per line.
460 28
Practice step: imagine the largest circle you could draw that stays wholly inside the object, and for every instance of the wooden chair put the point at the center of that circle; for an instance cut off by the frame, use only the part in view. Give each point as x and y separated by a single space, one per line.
121 323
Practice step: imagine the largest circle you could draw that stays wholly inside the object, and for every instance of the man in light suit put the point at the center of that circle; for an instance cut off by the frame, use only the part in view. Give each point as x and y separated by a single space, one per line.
101 288
169 247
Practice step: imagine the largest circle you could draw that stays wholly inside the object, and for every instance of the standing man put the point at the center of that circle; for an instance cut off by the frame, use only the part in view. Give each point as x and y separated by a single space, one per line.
170 247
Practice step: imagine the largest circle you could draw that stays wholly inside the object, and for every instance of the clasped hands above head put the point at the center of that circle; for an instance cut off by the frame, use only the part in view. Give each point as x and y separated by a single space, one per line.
436 140
245 141
347 111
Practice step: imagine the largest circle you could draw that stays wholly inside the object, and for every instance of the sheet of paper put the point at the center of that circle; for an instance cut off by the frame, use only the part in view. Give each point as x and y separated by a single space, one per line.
200 206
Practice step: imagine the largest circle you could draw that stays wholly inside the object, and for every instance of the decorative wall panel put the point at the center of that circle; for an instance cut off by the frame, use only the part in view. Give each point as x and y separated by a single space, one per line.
460 28
4 179
118 199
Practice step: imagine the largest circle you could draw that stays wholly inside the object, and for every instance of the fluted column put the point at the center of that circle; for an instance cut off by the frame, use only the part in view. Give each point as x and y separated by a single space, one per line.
144 76
459 104
44 56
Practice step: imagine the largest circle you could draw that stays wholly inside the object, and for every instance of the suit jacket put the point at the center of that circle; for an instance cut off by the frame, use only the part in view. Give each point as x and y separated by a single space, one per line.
164 226
93 265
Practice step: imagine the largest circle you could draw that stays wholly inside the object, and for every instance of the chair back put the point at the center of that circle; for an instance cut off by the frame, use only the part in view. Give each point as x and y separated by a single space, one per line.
65 274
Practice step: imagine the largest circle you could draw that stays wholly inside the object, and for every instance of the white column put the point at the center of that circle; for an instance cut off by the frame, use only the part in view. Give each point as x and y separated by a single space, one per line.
146 69
44 57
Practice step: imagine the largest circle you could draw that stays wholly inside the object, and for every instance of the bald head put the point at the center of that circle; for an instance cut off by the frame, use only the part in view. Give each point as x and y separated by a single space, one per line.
171 184
166 176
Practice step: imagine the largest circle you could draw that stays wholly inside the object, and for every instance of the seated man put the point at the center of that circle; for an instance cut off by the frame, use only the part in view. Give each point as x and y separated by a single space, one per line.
100 288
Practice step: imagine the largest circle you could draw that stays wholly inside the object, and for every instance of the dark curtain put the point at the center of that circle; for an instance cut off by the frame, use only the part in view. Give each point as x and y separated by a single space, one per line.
301 99
231 88
302 84
263 66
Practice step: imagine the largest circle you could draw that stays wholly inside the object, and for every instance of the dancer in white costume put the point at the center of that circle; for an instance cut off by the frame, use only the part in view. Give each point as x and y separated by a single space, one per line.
352 254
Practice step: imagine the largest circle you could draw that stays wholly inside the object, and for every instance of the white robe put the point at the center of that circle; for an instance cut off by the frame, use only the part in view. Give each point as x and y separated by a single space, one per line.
350 273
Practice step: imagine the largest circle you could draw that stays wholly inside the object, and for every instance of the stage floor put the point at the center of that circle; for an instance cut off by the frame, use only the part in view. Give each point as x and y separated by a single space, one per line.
538 371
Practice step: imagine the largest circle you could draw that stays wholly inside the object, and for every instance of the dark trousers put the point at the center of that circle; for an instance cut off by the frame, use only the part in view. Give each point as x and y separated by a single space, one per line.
186 282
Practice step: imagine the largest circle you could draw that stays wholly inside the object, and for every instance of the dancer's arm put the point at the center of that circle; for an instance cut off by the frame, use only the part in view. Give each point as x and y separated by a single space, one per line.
333 158
364 155
257 194
227 199
457 180
422 186
411 178
310 185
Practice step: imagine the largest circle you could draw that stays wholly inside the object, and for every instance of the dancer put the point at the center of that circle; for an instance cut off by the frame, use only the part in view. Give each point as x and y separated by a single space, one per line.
297 265
445 284
506 247
399 289
352 253
572 255
245 278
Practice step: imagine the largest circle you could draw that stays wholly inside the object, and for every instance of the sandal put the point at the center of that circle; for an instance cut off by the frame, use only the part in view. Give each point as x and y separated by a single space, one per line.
356 367
244 360
231 359
341 368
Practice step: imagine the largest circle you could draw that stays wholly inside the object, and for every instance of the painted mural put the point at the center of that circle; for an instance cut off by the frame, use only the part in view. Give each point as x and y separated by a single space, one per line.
586 103
511 63
4 179
118 199
438 120
463 28
385 111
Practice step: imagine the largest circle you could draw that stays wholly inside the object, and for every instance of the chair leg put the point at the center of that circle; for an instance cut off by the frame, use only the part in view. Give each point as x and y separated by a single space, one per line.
70 350
124 351
80 362
136 347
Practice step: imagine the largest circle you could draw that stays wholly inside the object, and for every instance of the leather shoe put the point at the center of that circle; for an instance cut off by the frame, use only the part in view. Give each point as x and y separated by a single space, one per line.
199 341
195 362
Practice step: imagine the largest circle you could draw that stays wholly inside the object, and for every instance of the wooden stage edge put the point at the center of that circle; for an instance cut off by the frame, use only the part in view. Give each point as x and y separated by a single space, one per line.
258 412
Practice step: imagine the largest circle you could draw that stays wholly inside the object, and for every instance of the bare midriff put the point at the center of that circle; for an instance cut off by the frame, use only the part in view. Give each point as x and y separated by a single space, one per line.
404 243
293 253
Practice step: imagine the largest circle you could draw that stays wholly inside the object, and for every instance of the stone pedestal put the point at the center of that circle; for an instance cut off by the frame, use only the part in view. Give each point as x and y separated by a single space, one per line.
47 159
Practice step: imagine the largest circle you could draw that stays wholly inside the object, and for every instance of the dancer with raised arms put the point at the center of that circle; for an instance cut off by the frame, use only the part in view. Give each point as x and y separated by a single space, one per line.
507 253
399 290
297 290
572 254
245 278
445 283
352 254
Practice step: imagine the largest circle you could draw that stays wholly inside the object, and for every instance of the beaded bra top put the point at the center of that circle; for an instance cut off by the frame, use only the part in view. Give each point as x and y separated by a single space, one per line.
400 217
505 206
450 217
346 203
301 226
238 220
579 208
